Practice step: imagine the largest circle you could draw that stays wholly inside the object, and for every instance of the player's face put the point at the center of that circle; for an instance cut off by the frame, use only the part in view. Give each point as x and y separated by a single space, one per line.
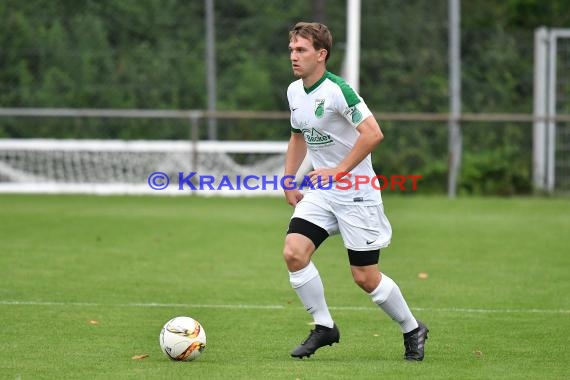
304 58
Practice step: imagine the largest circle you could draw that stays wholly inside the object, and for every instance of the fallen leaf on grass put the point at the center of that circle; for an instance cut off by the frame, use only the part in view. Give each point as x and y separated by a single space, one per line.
139 357
423 275
94 322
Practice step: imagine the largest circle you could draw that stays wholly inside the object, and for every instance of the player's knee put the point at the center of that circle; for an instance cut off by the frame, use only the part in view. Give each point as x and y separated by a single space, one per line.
366 280
364 268
294 258
297 251
288 253
362 281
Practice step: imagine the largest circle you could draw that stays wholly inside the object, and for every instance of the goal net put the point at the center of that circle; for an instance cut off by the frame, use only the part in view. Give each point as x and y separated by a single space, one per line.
225 168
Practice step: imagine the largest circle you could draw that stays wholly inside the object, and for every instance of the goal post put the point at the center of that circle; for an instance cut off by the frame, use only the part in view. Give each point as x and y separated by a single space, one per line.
551 137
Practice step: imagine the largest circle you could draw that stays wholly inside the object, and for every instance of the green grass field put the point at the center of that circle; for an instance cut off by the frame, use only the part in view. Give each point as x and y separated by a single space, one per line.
496 299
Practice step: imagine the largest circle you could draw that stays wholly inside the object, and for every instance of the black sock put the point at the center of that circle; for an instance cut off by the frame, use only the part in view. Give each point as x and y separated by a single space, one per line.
408 334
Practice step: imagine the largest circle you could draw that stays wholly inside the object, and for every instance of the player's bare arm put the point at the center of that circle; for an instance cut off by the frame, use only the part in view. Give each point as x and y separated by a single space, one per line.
370 137
296 152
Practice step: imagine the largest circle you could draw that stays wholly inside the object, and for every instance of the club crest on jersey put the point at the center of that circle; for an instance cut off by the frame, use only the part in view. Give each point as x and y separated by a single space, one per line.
319 108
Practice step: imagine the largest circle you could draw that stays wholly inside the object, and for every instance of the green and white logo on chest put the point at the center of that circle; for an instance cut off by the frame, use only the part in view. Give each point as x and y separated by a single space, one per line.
314 137
319 108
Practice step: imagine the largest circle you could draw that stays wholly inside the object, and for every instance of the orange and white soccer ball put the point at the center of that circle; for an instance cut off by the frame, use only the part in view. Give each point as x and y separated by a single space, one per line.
183 339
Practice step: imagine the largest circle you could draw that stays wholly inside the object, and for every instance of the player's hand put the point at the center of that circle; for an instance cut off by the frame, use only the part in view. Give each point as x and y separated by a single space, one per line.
293 196
321 177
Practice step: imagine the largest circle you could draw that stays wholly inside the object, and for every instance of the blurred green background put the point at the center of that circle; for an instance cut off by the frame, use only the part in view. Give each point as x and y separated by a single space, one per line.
150 54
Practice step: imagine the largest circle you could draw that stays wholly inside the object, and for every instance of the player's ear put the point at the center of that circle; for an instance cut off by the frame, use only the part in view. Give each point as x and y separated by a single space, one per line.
323 54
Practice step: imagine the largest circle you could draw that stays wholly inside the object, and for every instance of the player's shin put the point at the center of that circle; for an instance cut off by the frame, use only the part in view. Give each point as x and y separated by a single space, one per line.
389 298
309 287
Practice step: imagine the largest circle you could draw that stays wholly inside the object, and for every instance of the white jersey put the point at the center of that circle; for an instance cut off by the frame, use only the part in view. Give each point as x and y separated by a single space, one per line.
327 114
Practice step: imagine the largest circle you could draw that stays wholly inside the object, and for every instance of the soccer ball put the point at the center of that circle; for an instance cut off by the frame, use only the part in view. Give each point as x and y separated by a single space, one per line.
183 339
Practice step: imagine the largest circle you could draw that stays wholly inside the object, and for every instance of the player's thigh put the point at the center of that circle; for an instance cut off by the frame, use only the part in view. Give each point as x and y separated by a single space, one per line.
363 227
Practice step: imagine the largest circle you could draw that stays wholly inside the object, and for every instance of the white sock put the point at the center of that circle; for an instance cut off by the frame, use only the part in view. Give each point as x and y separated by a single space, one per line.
309 287
388 296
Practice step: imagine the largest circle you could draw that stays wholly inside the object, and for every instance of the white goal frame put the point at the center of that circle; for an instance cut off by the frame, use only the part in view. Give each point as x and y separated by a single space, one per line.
545 110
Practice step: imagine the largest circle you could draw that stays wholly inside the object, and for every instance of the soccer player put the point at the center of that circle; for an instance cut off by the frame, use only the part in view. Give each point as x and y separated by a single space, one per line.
331 122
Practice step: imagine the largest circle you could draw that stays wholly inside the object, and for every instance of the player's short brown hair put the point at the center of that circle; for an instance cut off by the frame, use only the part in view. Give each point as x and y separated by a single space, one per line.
316 32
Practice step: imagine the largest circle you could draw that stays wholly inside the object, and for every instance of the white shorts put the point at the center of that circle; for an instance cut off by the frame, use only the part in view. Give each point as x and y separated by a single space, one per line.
362 227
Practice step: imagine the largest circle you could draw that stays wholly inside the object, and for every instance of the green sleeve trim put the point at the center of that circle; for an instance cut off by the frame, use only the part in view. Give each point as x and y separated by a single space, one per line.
349 94
295 130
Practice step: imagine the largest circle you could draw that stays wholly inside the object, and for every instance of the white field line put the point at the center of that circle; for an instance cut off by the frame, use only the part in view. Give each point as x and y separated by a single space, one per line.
280 307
